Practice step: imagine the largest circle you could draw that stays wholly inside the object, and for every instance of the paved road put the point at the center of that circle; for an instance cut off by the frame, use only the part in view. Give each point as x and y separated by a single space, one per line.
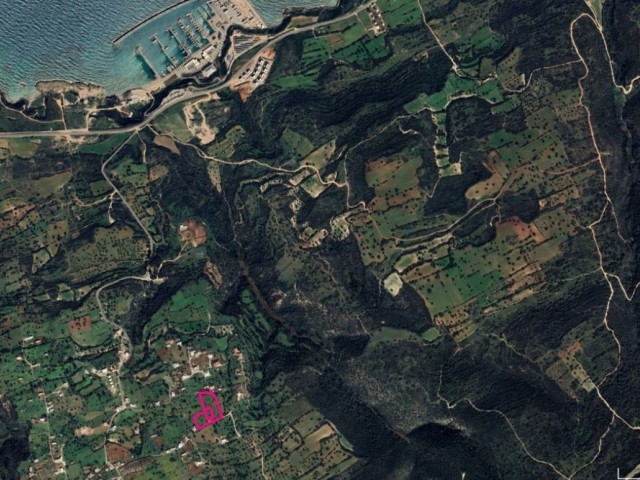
192 93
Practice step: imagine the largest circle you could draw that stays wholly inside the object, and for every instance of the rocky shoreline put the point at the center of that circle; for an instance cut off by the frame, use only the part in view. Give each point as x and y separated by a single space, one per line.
82 89
153 92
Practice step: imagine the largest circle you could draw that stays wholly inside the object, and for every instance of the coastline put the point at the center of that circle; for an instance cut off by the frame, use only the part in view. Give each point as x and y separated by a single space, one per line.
249 6
309 11
84 90
154 89
116 42
42 88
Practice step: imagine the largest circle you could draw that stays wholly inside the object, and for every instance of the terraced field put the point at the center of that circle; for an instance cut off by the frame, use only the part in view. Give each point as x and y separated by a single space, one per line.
411 252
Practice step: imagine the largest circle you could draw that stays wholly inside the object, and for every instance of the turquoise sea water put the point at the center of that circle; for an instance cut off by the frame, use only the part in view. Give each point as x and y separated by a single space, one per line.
72 40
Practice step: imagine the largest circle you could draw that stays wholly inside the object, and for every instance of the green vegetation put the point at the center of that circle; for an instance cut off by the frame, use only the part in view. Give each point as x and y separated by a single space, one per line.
400 13
398 257
104 147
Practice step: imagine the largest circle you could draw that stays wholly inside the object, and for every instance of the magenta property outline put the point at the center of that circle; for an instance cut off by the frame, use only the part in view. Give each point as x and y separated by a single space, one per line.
210 417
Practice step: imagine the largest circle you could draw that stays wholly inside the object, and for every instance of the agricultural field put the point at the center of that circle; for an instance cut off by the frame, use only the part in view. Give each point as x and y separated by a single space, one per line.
409 252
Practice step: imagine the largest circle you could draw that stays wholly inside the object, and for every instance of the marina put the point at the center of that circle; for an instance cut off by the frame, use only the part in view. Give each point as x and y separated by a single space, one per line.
118 41
187 37
95 42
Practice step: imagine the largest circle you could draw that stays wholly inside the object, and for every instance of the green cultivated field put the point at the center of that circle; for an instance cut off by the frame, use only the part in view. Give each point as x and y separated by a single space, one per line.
410 253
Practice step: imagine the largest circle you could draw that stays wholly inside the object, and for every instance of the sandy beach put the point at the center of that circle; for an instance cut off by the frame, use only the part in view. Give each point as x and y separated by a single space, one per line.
248 9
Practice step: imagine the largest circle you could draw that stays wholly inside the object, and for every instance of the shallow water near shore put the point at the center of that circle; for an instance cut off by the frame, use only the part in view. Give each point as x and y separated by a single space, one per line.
72 40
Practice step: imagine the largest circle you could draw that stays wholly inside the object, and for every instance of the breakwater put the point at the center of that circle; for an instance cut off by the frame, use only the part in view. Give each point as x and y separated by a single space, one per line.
117 42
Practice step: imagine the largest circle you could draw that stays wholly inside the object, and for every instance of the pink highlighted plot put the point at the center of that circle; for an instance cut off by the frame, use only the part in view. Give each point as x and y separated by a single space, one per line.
211 410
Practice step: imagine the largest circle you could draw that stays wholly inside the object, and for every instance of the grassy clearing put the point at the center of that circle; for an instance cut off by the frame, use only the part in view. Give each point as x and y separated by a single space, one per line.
431 335
225 148
388 334
400 13
173 122
18 147
296 145
104 147
188 311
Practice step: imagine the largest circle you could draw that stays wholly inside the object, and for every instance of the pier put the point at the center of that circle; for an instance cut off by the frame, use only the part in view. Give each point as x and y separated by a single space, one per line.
205 11
189 33
141 54
172 60
210 12
198 26
118 40
187 39
181 44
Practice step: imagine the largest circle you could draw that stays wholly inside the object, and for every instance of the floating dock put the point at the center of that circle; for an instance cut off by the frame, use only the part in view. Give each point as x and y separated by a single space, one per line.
181 44
189 33
198 26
